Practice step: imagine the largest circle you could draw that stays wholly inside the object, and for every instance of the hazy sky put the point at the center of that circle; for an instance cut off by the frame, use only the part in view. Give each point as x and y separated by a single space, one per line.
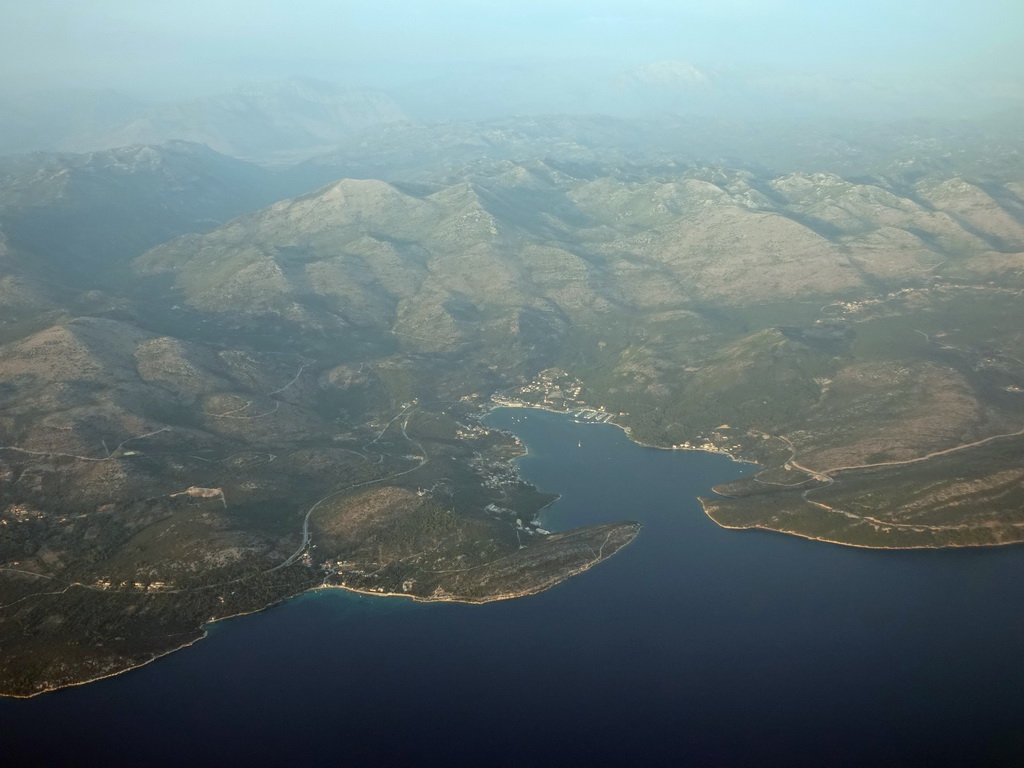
211 43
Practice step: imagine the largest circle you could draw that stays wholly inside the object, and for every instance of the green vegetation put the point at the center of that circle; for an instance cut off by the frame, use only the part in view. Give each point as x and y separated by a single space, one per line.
293 399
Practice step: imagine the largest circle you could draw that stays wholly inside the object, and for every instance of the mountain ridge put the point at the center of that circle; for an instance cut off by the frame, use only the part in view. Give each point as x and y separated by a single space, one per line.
199 429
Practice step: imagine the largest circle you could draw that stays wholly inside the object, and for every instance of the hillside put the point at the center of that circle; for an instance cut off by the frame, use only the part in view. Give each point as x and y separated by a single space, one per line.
882 328
269 400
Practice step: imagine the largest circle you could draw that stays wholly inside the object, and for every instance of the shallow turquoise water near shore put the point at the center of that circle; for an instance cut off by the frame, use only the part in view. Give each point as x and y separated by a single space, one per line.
693 645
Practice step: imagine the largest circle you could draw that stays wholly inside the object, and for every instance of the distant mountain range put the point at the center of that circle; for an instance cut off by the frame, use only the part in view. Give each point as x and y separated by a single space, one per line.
292 119
253 121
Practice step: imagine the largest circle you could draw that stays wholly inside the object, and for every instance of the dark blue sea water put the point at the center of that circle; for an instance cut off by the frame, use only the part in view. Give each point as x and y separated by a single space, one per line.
693 646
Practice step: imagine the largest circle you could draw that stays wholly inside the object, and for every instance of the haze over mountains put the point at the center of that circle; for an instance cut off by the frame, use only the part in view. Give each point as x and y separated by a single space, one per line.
252 120
299 117
246 338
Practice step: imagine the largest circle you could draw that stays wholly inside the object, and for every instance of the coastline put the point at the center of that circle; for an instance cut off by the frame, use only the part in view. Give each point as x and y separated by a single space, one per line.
851 544
488 407
203 633
498 597
492 405
203 629
106 676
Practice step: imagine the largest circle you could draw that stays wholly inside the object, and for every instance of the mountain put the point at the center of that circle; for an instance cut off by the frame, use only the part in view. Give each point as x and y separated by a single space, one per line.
532 87
56 119
602 145
254 121
69 223
374 250
260 120
76 214
668 74
779 120
643 292
223 407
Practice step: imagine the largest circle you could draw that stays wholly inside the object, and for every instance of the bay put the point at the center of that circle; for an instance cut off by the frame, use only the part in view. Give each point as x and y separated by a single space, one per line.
693 645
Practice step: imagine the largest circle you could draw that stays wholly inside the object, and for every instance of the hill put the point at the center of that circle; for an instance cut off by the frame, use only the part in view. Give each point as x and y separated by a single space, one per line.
291 397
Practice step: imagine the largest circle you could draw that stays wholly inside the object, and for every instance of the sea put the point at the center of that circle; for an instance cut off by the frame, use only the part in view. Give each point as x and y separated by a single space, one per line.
693 646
